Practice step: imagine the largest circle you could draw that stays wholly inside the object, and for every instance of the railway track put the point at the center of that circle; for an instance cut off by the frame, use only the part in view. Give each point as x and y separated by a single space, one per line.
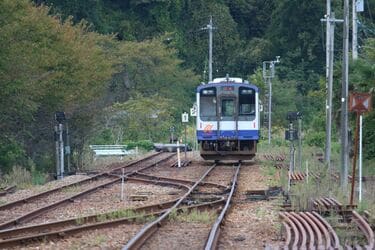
60 229
40 204
147 232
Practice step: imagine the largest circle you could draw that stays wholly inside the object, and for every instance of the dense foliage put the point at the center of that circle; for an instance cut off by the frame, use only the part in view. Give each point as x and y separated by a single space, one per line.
125 70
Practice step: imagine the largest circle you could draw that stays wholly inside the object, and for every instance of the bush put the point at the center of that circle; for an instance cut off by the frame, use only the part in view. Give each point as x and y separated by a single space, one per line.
315 139
18 176
11 153
104 137
144 144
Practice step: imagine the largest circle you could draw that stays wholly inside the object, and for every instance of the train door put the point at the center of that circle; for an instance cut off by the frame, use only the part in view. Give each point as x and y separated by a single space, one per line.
227 121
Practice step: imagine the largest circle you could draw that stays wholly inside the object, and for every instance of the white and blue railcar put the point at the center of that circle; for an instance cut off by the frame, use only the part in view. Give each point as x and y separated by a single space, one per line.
228 119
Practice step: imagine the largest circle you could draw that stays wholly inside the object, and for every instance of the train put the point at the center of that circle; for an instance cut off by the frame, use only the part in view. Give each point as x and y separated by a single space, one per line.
228 119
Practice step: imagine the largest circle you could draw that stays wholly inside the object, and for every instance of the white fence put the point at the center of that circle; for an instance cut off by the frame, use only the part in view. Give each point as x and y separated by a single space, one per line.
112 150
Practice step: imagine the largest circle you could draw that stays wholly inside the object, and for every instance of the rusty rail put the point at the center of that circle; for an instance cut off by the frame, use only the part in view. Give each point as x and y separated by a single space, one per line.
366 230
148 208
215 230
8 190
305 230
147 231
75 227
271 157
42 210
188 182
93 178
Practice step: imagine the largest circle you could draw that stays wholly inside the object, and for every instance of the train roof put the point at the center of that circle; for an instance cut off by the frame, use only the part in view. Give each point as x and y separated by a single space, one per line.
217 82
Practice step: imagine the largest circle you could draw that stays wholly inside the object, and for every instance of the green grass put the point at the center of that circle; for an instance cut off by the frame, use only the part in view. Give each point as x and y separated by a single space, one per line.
193 215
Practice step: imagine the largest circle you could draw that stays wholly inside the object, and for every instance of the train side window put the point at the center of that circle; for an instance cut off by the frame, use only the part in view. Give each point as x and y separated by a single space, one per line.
207 107
227 107
246 104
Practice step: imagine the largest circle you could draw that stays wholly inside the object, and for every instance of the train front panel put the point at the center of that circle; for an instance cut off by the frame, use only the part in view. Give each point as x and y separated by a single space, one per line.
227 120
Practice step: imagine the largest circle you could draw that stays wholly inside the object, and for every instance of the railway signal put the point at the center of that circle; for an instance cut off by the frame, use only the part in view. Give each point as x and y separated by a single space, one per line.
60 118
291 135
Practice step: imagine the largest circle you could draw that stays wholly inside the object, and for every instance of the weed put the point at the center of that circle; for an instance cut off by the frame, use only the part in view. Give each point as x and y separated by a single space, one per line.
98 240
18 176
101 217
192 216
80 220
260 212
173 215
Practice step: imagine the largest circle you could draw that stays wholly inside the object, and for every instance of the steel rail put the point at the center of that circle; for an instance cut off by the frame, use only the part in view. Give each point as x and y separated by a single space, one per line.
8 190
91 218
366 230
147 208
334 237
289 222
147 231
136 162
95 225
48 192
315 228
322 229
288 232
203 183
309 231
310 241
301 230
42 210
215 230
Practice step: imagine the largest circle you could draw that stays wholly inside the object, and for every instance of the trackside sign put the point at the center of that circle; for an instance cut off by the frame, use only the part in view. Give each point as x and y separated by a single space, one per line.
360 102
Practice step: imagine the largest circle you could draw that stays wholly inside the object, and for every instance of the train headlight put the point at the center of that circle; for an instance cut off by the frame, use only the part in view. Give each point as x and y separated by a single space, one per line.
208 92
247 92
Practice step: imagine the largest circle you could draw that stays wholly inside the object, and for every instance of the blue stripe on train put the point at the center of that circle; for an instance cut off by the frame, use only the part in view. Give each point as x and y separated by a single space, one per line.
228 134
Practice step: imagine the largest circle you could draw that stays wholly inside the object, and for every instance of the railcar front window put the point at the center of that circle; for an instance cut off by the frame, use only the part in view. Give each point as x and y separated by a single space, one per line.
227 109
246 104
207 105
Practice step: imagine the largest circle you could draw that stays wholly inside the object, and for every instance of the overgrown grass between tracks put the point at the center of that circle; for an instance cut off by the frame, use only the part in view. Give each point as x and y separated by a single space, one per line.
193 215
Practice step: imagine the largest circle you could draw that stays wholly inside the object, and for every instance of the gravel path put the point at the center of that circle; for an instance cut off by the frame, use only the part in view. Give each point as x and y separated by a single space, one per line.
181 236
14 212
250 225
109 199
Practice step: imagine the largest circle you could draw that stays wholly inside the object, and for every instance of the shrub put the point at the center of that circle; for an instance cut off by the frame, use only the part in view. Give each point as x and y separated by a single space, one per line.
11 153
315 139
145 144
18 176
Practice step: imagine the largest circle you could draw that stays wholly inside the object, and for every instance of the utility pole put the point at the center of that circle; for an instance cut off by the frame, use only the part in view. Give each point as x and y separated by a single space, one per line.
269 107
355 31
327 155
344 101
210 28
268 74
330 41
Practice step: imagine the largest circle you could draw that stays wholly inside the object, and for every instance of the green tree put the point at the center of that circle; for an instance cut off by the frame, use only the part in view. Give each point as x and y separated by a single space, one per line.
45 65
